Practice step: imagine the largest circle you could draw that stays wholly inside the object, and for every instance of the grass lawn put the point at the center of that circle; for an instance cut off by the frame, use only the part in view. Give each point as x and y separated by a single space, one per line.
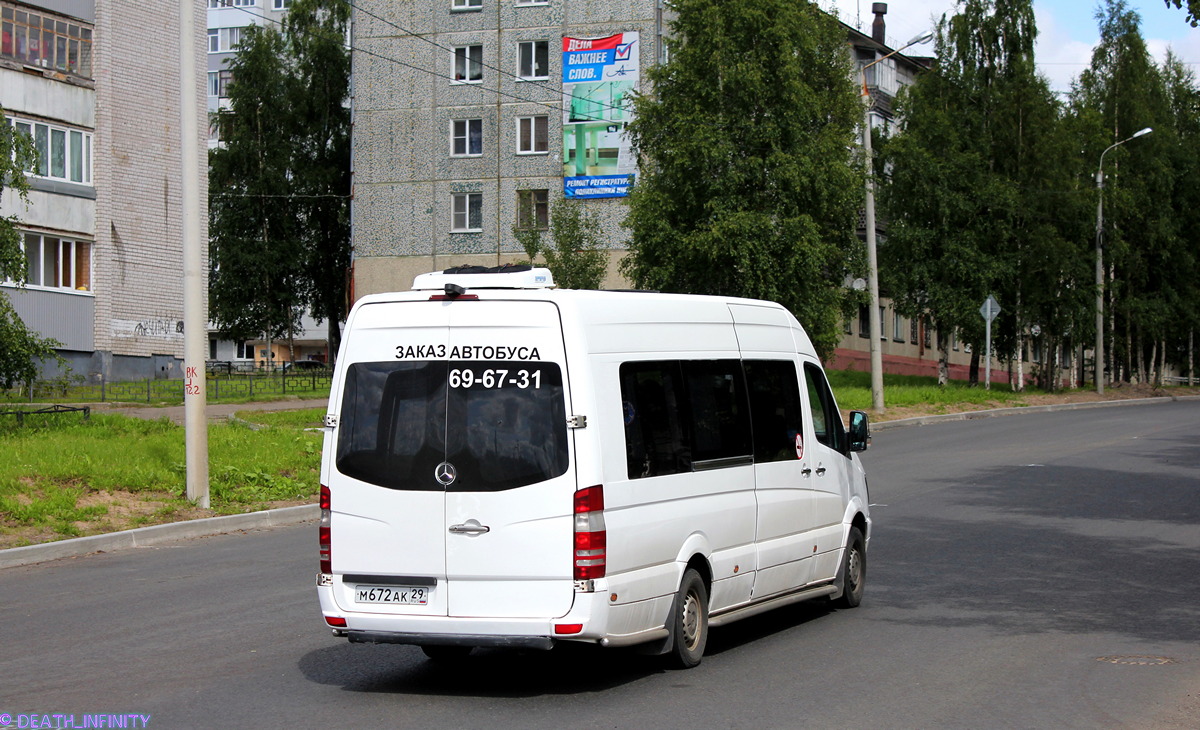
65 477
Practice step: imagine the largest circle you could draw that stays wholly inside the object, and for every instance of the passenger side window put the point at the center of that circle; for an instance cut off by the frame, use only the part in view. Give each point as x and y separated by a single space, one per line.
679 412
827 421
775 408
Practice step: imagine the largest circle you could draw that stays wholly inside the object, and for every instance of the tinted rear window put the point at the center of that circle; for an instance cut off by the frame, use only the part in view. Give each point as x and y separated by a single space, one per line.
501 425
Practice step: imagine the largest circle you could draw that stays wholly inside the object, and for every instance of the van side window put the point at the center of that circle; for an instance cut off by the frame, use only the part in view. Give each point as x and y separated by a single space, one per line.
827 421
775 408
679 412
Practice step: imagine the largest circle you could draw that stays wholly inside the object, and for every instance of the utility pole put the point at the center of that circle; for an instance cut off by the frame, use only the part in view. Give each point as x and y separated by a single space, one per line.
195 318
873 319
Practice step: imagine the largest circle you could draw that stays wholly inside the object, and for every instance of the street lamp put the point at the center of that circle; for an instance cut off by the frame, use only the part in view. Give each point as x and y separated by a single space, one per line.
1100 259
872 262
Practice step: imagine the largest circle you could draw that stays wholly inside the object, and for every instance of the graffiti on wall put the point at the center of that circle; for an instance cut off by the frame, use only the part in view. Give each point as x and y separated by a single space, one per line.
152 327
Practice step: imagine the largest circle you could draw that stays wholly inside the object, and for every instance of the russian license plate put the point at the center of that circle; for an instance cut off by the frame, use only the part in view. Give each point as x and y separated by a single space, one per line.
400 595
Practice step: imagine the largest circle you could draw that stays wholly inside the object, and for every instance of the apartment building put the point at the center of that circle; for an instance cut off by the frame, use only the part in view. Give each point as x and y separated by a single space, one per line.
472 116
96 85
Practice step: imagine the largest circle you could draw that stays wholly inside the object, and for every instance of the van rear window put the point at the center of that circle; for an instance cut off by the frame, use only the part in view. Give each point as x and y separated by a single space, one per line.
500 424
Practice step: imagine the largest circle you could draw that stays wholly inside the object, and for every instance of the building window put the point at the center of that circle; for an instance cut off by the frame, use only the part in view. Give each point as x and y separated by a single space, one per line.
533 209
245 351
63 154
282 4
533 60
459 5
897 326
864 322
235 3
224 40
468 213
532 137
218 83
519 3
913 326
46 41
57 263
466 137
468 64
882 319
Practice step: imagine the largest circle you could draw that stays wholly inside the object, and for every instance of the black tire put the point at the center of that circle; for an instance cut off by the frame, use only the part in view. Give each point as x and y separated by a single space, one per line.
689 621
439 652
853 575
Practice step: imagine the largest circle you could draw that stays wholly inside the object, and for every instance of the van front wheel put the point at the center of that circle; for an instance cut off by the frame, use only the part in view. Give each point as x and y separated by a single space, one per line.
689 621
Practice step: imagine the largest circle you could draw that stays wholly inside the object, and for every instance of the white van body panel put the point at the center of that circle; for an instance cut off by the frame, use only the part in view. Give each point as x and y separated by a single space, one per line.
756 529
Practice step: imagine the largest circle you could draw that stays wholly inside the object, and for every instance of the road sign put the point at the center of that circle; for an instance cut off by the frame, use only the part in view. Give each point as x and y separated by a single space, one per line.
990 309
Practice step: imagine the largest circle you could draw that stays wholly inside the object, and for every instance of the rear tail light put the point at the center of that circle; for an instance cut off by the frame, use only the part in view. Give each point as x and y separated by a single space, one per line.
323 532
591 539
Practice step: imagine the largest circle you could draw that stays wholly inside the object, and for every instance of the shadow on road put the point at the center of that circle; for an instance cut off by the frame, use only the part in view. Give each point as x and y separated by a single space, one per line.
1036 548
567 669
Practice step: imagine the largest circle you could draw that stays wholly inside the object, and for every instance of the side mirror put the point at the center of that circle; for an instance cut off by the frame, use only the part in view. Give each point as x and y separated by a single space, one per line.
860 431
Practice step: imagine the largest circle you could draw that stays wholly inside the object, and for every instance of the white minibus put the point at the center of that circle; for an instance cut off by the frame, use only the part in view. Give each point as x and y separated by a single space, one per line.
507 464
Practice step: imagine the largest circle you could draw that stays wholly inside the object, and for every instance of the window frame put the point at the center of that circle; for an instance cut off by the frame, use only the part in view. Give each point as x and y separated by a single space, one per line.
466 137
69 258
460 219
466 6
44 136
528 51
540 207
532 123
464 64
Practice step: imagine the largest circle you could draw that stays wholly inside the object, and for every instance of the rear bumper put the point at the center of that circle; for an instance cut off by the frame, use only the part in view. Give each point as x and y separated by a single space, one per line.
397 637
586 614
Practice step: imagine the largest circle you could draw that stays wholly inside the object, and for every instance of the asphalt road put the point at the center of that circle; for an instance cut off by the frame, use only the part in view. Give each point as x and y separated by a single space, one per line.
1039 570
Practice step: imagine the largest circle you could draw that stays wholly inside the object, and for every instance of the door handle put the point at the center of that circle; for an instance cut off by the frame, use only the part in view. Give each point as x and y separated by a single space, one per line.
806 471
470 528
820 471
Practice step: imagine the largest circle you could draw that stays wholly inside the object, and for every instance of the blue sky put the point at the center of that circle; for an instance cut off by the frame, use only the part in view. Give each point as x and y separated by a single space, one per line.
1066 30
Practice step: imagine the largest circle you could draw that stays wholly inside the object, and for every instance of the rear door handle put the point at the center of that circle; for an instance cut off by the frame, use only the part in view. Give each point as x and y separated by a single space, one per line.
820 471
470 528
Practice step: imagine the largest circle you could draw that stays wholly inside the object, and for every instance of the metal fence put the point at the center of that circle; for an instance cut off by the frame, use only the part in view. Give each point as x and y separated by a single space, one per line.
232 386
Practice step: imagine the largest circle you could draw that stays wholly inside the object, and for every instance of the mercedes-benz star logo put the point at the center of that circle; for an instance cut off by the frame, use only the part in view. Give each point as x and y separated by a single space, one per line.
445 473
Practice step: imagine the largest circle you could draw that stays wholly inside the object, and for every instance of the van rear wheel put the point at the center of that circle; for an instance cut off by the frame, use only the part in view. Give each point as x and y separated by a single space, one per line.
689 621
854 571
438 652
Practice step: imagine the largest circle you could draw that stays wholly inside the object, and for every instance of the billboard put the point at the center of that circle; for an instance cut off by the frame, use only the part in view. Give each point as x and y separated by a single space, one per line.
600 76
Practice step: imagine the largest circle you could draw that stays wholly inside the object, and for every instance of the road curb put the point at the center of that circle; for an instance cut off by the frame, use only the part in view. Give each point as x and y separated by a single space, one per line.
157 534
994 412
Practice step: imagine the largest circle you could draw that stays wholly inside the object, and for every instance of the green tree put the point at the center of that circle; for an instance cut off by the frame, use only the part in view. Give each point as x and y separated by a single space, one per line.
254 239
21 349
279 186
747 182
316 32
1121 92
575 254
967 196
